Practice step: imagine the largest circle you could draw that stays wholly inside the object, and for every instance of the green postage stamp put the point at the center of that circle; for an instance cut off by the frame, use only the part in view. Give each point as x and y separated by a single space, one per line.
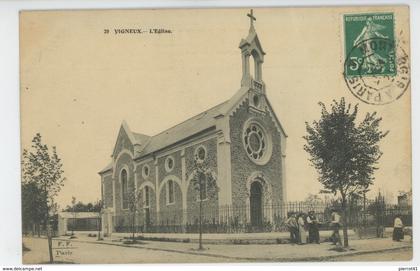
369 45
376 66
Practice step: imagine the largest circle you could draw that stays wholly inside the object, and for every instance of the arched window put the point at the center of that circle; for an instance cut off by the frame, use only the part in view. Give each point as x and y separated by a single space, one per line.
256 100
124 188
146 196
170 197
255 64
146 171
203 188
252 65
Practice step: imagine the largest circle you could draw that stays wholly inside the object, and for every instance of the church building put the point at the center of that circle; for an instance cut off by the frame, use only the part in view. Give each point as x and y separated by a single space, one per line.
242 141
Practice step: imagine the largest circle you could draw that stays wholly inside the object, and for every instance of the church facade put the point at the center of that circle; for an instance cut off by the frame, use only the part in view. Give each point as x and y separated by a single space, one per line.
242 141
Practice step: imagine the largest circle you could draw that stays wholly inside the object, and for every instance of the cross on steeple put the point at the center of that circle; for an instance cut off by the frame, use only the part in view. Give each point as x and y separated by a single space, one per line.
251 19
251 50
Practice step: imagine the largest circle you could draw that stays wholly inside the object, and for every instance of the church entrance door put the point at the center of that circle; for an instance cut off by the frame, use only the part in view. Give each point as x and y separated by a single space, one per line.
256 205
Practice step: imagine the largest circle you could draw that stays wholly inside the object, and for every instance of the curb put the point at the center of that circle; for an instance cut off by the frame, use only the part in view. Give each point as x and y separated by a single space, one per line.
279 259
232 241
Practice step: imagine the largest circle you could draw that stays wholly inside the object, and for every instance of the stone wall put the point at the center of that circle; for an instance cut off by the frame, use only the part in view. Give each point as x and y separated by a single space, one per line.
242 166
108 198
211 203
124 161
143 181
170 212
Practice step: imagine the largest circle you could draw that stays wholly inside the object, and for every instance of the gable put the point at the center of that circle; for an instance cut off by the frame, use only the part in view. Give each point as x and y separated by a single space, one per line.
252 43
244 101
273 115
123 142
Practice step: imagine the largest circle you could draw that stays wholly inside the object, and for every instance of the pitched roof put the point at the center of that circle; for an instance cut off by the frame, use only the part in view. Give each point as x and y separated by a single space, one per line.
252 37
183 130
141 137
105 169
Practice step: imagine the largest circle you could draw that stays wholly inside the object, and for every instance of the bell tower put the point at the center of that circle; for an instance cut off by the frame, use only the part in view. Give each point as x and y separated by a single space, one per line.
251 48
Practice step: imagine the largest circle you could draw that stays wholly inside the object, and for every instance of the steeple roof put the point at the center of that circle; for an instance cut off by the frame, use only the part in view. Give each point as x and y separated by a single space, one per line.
252 36
250 40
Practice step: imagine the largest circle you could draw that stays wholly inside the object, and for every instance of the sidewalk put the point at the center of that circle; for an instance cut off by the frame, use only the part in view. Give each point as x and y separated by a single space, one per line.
229 238
264 253
219 238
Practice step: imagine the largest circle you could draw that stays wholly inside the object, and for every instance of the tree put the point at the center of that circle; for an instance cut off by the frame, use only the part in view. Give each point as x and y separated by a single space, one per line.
313 200
204 183
345 154
43 168
84 207
32 205
133 206
73 203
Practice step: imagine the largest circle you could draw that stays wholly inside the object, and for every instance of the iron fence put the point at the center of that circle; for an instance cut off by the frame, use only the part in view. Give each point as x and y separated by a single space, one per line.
361 215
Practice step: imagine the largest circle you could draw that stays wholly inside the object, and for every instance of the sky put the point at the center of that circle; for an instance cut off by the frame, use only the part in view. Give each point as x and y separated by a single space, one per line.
78 84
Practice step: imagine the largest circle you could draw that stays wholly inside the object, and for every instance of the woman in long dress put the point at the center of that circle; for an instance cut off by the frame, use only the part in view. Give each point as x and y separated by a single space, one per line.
302 232
398 233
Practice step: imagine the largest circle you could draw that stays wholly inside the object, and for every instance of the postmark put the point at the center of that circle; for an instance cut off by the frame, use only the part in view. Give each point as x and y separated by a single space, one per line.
376 68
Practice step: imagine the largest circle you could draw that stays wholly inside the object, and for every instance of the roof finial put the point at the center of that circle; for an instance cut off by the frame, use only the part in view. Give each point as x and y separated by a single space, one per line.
251 19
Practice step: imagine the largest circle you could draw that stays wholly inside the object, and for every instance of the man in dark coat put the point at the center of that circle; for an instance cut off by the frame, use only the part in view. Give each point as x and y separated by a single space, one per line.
312 222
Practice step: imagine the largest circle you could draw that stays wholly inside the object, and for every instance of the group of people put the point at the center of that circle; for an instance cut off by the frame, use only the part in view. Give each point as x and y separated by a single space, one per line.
297 224
300 223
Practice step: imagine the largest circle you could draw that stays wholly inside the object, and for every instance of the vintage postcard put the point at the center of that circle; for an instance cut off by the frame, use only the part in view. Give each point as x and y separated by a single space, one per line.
216 135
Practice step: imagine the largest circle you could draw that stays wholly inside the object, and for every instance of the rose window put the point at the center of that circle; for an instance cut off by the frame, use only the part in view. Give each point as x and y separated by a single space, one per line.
255 141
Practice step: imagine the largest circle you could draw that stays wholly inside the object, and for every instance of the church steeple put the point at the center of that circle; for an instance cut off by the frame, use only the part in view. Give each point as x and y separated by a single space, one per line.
251 47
